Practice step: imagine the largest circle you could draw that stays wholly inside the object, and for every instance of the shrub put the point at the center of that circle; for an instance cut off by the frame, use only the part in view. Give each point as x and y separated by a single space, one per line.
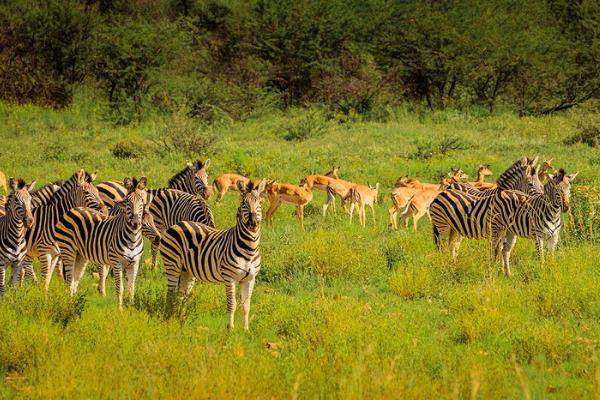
413 282
128 148
588 132
305 125
184 135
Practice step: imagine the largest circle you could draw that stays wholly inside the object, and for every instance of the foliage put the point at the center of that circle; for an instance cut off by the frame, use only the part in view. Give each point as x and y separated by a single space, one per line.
588 132
305 125
183 134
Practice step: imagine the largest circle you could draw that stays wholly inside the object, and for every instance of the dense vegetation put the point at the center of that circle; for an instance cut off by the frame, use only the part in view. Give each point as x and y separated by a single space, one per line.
339 311
236 58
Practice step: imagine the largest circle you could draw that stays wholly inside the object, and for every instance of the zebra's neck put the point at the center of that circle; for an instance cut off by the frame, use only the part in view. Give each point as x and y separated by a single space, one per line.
550 202
248 239
11 223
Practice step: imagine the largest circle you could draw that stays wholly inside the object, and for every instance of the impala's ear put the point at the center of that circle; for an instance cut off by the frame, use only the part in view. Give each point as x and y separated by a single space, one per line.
92 177
207 163
81 177
141 185
32 185
572 176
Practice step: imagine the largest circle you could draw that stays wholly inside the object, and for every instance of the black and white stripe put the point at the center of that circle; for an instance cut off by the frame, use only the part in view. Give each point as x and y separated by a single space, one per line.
536 216
77 191
85 235
195 251
13 226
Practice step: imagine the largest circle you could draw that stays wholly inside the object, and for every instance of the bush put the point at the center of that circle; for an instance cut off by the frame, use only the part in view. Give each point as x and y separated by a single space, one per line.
413 282
184 135
128 148
305 125
588 132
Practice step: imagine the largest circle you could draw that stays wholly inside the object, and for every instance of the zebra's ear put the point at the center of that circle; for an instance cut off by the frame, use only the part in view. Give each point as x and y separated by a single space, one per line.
141 185
81 176
13 184
128 183
32 185
261 186
92 177
572 176
242 187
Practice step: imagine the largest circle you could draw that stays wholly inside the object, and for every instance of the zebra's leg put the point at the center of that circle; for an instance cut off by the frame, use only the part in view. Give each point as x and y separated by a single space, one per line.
118 275
186 284
132 271
552 243
454 242
46 265
246 289
16 274
231 302
2 273
103 272
509 243
154 251
27 270
78 271
539 245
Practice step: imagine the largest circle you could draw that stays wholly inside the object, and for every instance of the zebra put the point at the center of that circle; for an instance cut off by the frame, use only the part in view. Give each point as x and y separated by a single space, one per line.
196 251
149 230
535 217
83 234
77 191
39 197
13 226
192 179
458 213
169 206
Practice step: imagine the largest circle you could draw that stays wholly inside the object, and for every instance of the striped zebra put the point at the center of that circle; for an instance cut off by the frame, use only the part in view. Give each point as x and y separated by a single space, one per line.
534 216
149 230
457 213
195 251
192 179
39 196
13 226
85 235
77 191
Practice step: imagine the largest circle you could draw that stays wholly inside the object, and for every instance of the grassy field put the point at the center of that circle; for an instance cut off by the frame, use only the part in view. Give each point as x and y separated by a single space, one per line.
339 311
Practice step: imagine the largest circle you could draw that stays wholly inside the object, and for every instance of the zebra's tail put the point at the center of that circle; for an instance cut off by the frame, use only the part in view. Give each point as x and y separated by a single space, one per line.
436 236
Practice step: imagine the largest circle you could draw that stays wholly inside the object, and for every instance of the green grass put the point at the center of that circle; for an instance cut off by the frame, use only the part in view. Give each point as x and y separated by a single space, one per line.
339 311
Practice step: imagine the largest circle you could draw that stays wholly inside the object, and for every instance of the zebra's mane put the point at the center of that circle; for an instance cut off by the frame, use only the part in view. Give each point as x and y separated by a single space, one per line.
181 174
507 175
46 186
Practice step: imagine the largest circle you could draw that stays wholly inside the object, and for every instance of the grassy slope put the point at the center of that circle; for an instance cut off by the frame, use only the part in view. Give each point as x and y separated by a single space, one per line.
339 311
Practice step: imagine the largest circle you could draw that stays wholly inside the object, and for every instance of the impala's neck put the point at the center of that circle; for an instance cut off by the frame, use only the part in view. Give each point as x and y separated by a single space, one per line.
480 177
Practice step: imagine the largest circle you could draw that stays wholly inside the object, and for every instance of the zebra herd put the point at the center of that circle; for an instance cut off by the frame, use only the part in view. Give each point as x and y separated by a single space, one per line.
69 223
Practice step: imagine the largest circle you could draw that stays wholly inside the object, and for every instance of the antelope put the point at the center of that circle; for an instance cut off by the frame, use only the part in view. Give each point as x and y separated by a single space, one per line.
402 196
298 196
361 196
543 175
482 172
322 183
3 182
227 183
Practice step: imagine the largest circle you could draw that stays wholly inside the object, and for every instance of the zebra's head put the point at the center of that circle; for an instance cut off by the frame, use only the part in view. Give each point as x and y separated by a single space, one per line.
249 213
19 201
86 194
149 229
135 201
559 188
193 179
518 176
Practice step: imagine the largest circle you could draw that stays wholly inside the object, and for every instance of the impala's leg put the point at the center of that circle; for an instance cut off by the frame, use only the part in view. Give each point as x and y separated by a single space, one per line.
103 272
132 271
372 212
300 212
273 206
246 294
363 215
78 271
393 212
118 275
405 215
352 205
231 302
330 201
509 243
220 196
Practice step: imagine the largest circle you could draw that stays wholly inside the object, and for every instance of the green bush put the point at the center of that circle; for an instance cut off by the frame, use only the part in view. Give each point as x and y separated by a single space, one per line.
305 125
128 148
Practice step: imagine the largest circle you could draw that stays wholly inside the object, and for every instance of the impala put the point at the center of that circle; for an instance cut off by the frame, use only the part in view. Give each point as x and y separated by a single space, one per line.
278 193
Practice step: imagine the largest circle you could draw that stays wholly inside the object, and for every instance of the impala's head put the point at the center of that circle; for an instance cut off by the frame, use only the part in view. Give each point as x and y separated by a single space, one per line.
405 181
249 213
560 188
484 170
333 173
86 194
136 200
19 201
457 175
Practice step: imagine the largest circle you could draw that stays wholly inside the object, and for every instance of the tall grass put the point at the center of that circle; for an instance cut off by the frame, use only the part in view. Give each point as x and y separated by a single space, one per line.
339 311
